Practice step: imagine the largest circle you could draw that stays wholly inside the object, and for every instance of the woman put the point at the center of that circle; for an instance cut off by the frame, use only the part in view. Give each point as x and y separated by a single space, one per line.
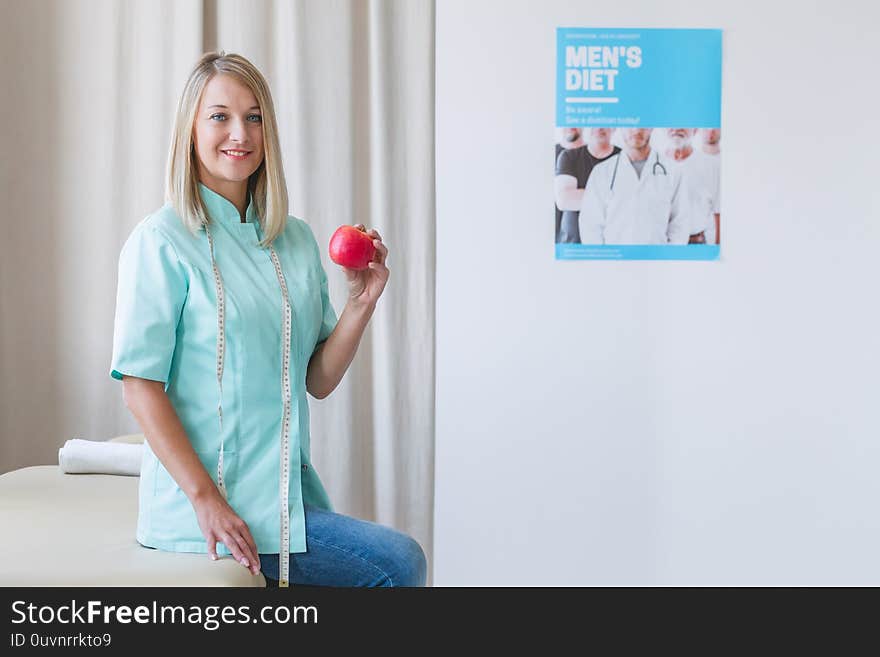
223 323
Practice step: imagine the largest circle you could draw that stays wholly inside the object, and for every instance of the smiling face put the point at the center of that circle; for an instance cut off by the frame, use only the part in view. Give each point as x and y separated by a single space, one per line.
711 136
228 135
571 135
680 137
637 138
600 136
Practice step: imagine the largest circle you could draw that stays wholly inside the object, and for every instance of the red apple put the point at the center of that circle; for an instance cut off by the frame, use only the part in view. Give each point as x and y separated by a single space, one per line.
351 247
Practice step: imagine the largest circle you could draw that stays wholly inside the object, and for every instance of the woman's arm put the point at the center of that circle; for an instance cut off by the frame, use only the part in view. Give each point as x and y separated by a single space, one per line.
331 359
568 195
167 438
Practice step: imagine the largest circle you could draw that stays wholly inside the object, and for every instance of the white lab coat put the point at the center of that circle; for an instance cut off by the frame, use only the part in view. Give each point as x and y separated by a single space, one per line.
701 175
651 209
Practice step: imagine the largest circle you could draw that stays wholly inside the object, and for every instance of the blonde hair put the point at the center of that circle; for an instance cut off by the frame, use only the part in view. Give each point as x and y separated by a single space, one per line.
266 185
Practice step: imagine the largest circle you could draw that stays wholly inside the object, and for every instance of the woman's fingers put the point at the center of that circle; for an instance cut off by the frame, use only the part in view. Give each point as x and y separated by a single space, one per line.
381 271
219 523
240 543
252 548
381 250
248 549
239 552
372 232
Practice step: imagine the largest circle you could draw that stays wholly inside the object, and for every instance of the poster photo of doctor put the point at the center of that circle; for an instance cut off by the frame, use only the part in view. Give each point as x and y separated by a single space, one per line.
658 187
697 152
649 194
636 197
630 183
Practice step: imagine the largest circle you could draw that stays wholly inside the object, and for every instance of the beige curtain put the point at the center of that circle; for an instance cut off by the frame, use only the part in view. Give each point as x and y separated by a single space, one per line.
91 88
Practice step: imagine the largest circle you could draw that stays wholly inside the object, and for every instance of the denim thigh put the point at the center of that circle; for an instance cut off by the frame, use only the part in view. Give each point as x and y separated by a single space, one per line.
344 551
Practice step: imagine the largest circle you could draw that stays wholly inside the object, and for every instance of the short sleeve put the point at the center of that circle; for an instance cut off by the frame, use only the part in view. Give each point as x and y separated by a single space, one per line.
328 314
566 163
150 295
328 321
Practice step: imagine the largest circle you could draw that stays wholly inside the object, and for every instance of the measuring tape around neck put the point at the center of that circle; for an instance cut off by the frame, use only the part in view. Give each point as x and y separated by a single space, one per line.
286 337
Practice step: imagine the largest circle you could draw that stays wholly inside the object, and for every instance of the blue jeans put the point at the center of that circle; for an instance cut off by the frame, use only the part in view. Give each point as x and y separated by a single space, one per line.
344 551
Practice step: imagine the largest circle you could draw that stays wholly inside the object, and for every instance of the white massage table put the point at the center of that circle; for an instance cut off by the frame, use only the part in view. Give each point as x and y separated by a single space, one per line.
79 530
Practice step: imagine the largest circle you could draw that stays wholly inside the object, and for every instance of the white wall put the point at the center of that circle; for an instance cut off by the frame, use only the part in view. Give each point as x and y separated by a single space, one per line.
660 422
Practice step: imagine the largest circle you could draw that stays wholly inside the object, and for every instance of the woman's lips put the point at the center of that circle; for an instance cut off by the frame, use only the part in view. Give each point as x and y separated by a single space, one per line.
236 154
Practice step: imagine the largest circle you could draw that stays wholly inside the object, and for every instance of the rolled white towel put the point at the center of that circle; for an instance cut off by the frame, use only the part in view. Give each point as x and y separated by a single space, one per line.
97 457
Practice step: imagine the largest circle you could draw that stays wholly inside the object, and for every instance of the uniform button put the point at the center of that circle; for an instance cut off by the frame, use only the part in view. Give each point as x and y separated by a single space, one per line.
304 467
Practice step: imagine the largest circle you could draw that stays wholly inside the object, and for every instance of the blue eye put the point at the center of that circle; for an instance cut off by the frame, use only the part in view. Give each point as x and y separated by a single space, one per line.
218 114
251 116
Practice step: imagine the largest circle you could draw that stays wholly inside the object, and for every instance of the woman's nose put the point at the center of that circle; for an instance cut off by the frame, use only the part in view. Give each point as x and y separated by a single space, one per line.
238 130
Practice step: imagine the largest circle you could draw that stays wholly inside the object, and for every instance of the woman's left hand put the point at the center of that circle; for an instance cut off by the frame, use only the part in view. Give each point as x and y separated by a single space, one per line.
366 285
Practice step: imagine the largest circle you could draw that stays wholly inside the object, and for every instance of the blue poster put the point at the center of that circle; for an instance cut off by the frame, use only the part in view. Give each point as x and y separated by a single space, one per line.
638 144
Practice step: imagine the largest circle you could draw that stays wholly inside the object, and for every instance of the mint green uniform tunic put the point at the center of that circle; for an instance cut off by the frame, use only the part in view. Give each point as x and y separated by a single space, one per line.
166 330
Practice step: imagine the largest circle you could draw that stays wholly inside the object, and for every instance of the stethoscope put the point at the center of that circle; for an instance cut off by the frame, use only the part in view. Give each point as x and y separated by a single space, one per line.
653 168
